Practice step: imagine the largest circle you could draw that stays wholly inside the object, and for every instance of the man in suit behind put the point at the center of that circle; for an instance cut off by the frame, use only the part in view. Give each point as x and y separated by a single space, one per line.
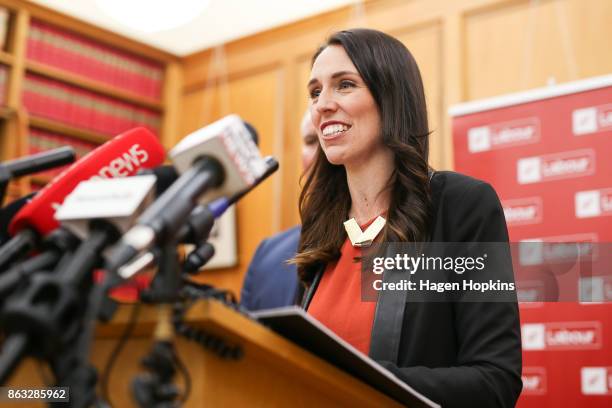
270 282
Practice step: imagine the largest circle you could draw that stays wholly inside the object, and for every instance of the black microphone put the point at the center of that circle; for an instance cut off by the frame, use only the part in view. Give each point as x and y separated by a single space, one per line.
47 316
40 161
198 257
200 222
165 175
58 243
201 219
8 213
33 164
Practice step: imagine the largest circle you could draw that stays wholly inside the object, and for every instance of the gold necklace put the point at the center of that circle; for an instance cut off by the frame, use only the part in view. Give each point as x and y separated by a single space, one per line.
365 238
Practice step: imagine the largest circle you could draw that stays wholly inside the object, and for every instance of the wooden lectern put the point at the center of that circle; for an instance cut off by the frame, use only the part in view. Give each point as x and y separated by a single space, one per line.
273 372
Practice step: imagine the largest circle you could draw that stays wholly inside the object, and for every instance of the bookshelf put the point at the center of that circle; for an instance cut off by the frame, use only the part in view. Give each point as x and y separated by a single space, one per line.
92 85
6 58
65 82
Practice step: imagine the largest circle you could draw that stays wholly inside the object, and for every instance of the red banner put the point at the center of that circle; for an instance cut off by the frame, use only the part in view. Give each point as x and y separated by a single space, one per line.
548 152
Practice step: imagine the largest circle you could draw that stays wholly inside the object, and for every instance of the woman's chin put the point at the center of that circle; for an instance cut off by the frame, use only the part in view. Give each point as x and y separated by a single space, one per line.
336 160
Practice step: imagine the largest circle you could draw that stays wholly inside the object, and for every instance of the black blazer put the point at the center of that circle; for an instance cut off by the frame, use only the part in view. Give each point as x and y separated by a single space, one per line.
458 354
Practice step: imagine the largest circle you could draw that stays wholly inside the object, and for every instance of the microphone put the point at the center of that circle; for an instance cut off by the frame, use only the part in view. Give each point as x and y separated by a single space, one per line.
230 141
201 222
33 164
59 242
46 314
116 201
198 257
165 175
201 219
195 230
122 156
39 162
217 160
8 212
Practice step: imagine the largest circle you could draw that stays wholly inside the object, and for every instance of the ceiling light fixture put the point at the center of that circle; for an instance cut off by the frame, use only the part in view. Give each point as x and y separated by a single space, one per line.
150 16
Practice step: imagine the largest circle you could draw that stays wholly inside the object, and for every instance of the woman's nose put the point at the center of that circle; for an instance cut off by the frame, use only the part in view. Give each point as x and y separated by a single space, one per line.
326 102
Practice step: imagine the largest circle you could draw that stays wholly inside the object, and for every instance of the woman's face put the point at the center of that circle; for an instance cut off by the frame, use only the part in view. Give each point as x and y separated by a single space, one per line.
343 110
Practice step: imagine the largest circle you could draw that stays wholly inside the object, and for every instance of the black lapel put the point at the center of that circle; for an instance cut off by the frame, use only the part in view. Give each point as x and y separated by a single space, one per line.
388 319
312 288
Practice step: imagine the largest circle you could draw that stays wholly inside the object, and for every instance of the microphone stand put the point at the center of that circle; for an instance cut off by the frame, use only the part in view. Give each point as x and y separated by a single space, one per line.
155 388
5 177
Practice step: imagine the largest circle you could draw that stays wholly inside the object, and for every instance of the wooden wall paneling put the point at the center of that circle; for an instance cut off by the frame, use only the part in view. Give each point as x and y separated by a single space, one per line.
263 51
172 101
254 99
591 30
301 104
199 108
302 37
289 157
424 42
282 116
453 78
519 46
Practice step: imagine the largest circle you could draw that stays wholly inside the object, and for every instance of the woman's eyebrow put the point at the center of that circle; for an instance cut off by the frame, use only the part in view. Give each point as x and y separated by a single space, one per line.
334 76
341 73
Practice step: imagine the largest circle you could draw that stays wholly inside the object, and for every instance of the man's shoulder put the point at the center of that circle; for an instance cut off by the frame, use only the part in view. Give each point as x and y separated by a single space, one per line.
283 244
292 233
285 239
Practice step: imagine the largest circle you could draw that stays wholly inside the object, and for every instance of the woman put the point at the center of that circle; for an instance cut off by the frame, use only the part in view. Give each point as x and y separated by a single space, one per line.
368 106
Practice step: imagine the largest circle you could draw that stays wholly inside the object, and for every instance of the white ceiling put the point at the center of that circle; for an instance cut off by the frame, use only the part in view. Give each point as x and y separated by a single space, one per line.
220 22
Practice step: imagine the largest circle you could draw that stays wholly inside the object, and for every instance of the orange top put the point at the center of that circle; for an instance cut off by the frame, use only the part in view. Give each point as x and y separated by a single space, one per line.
337 301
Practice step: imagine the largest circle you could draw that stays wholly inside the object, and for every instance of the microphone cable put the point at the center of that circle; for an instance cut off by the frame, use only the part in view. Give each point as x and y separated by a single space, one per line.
112 358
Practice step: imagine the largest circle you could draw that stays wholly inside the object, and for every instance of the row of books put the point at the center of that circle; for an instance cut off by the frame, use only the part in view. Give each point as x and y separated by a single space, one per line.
81 108
41 140
80 55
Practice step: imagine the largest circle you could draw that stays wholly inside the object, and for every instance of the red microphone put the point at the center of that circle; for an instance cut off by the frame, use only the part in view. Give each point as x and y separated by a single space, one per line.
121 156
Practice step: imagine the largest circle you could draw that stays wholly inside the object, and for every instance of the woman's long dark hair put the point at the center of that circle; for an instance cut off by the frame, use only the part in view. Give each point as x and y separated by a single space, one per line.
393 78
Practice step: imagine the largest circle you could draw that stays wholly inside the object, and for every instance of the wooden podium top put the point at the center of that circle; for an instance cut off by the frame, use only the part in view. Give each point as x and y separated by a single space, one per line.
279 371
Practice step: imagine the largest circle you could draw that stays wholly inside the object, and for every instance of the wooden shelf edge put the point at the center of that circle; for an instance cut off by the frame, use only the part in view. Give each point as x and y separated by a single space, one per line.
6 58
91 85
83 134
40 180
7 112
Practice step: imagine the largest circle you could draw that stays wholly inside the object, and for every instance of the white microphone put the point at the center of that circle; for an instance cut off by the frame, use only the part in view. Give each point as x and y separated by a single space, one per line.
230 142
218 160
